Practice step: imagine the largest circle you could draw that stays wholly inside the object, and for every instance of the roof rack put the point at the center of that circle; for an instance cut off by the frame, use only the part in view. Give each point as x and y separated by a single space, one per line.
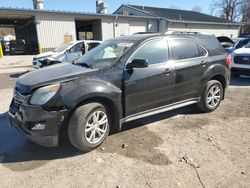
182 32
147 32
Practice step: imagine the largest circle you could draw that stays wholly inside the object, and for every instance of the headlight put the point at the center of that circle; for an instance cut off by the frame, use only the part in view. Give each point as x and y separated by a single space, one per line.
44 94
42 58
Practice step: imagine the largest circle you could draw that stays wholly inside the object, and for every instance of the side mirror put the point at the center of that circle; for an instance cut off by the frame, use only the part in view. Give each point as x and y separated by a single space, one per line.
137 63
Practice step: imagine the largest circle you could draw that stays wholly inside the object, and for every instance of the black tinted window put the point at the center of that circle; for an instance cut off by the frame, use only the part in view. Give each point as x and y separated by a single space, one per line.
184 49
155 52
93 45
212 45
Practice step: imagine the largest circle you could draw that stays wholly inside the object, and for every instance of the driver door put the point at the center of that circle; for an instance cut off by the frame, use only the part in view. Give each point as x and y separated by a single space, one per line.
75 52
153 86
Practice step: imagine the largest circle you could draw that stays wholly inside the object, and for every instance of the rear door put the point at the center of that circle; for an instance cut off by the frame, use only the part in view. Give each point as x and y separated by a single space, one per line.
190 61
153 86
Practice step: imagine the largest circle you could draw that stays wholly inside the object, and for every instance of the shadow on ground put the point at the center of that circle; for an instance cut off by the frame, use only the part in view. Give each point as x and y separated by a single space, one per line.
240 81
19 154
15 150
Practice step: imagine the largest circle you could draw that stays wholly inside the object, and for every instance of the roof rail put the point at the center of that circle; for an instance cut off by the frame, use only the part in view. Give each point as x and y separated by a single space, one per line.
147 32
182 32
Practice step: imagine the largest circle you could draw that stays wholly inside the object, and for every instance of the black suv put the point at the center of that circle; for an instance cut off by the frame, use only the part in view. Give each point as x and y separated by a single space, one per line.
121 80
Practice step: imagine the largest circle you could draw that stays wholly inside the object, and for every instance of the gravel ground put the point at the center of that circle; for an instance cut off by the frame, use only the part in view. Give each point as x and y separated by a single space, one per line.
181 148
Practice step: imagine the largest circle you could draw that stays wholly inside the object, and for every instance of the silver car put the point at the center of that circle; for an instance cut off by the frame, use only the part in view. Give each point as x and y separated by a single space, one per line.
67 52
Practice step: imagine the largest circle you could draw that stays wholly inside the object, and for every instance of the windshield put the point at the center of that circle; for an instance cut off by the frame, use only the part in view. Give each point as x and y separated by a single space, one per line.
104 55
62 47
248 45
242 43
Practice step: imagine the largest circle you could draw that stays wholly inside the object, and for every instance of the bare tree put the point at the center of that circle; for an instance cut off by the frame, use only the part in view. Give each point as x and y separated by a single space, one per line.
246 11
212 8
233 10
197 9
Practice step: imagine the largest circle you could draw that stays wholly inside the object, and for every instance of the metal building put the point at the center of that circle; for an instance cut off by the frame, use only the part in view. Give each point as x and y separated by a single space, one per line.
185 20
49 29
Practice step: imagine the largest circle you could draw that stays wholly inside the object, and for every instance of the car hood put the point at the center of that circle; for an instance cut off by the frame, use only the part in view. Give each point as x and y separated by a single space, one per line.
49 75
224 39
46 54
242 51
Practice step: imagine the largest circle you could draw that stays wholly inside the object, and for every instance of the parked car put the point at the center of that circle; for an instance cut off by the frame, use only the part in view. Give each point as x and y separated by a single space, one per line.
241 61
121 80
239 43
17 47
67 52
226 42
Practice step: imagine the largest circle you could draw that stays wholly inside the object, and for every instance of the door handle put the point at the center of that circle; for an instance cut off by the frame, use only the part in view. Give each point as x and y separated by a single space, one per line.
167 71
203 62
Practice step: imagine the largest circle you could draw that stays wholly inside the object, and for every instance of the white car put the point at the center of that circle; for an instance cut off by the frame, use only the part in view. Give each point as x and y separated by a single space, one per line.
241 61
67 52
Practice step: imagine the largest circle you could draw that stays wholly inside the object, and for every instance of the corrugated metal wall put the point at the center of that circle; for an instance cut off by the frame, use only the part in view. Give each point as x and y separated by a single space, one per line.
51 29
116 27
210 29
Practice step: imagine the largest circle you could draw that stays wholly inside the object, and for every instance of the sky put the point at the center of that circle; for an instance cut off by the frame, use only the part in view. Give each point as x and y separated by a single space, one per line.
89 5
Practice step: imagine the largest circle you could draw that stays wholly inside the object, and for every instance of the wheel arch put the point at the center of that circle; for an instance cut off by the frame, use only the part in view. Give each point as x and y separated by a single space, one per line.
110 105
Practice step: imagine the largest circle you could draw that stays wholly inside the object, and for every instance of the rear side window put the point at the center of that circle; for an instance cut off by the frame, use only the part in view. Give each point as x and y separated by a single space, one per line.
155 52
185 49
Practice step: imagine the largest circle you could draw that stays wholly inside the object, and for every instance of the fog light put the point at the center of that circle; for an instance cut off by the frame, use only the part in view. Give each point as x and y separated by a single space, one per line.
38 127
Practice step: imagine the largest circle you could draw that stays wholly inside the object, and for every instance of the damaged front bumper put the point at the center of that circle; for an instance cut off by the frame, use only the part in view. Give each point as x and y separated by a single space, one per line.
36 124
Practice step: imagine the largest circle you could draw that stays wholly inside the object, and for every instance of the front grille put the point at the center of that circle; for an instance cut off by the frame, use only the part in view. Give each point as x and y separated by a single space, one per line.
21 98
20 91
245 60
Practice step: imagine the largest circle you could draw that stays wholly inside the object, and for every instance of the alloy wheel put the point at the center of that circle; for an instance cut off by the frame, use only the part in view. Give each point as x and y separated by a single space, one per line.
96 127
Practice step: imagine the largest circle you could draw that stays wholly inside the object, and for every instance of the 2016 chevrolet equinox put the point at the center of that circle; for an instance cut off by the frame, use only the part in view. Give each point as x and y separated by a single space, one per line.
121 80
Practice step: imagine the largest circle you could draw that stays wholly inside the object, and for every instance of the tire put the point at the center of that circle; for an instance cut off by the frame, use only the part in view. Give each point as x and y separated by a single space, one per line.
85 118
208 106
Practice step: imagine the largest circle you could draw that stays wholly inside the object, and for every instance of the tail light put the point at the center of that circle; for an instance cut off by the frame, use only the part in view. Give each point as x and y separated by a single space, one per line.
229 60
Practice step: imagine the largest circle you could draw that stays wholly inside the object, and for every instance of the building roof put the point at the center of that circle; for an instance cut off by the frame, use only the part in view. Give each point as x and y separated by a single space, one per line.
178 15
10 10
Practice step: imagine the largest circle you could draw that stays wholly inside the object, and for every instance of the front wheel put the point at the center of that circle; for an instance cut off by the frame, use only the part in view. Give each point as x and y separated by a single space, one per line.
89 126
211 96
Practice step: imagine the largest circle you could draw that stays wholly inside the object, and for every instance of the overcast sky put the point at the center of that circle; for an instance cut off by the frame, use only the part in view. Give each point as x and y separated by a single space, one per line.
89 5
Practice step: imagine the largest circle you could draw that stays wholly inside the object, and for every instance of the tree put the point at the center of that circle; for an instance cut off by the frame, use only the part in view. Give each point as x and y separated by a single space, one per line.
197 9
212 7
233 10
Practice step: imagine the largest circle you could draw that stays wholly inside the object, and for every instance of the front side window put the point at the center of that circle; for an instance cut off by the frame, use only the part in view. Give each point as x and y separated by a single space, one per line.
62 47
155 52
76 48
185 49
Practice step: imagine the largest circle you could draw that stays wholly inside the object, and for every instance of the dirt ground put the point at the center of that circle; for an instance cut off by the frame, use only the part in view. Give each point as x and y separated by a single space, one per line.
181 148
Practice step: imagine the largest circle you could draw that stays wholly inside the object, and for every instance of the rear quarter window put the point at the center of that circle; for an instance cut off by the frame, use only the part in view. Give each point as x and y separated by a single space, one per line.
212 45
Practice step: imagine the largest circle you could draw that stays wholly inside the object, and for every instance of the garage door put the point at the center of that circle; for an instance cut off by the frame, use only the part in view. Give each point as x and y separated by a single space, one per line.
135 27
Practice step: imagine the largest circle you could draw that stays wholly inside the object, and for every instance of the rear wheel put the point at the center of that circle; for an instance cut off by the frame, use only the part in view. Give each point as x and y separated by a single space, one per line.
211 96
89 126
